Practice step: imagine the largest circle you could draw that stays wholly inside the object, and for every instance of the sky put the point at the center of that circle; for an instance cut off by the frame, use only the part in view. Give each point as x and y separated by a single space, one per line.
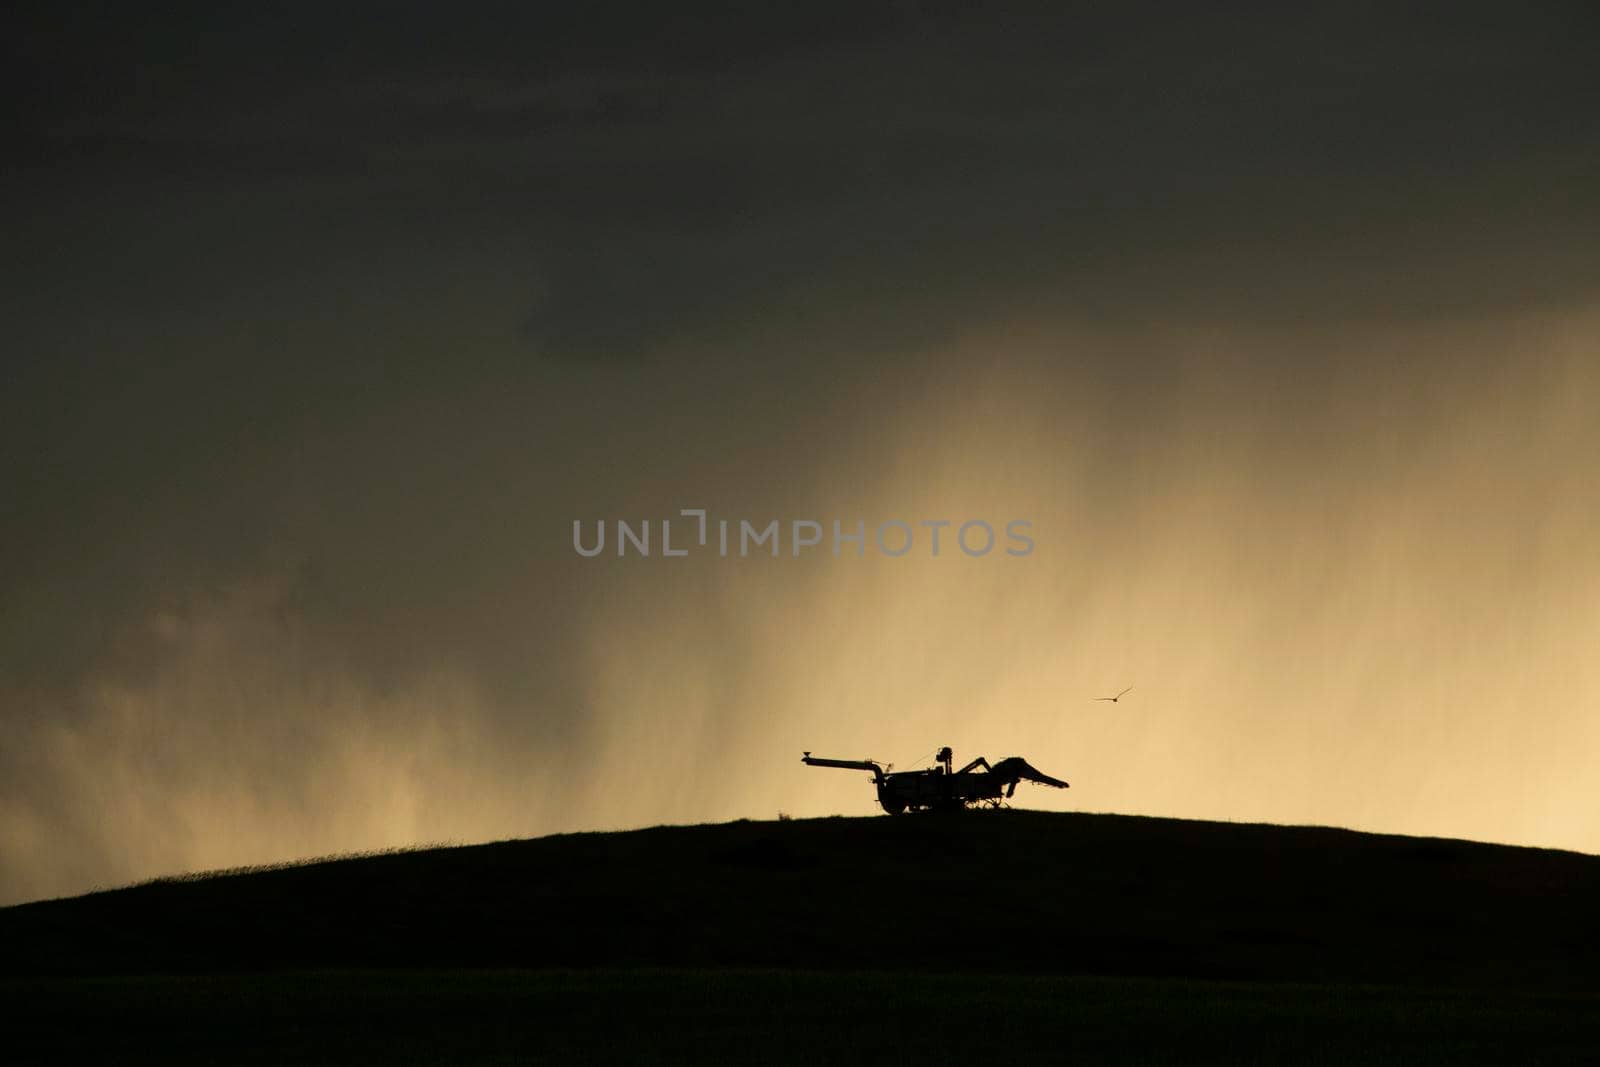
1279 328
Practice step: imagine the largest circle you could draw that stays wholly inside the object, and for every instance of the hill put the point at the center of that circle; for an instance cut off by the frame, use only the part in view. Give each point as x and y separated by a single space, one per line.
998 892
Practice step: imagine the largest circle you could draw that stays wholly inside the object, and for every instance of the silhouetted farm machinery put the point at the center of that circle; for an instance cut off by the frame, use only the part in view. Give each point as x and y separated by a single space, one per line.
940 788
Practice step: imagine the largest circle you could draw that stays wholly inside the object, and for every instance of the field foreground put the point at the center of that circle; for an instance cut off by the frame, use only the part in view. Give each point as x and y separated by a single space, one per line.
1093 937
779 1017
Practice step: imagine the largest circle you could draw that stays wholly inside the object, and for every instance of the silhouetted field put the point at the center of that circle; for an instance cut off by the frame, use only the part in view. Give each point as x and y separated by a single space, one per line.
778 1017
1008 891
1103 938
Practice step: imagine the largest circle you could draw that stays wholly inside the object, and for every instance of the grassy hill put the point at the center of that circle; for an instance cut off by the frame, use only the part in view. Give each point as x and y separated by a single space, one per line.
1008 891
1098 937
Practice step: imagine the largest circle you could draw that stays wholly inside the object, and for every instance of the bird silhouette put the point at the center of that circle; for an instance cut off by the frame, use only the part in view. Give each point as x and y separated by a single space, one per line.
1116 698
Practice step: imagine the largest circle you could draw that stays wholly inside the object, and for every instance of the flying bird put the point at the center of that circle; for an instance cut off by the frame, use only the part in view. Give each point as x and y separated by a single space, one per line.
1116 698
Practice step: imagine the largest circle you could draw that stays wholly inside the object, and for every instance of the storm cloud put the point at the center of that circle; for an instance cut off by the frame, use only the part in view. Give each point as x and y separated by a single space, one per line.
1279 326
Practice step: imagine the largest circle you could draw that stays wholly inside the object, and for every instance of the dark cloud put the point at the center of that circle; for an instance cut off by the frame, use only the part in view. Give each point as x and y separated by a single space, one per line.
331 323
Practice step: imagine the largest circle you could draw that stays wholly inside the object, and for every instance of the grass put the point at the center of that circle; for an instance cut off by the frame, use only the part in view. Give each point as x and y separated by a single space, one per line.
1000 935
998 892
735 1017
